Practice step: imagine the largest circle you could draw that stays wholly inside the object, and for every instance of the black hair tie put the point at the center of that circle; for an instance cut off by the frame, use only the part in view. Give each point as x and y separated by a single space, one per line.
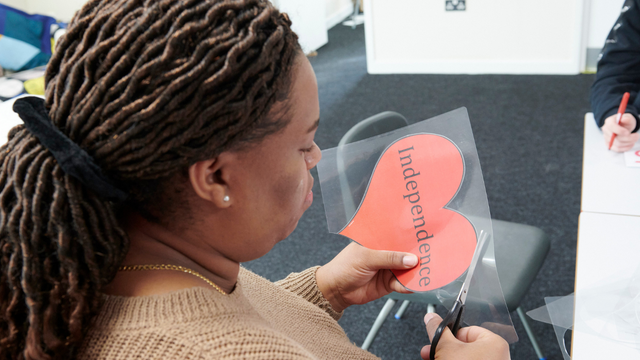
71 157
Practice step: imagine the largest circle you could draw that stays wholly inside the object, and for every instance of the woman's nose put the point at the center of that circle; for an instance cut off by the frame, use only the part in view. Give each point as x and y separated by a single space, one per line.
313 157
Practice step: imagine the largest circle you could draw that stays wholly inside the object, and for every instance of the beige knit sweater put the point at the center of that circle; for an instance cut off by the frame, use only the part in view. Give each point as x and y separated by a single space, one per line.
258 320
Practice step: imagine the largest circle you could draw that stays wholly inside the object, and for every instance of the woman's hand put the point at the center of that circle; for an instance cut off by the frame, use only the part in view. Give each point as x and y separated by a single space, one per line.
358 275
624 138
470 343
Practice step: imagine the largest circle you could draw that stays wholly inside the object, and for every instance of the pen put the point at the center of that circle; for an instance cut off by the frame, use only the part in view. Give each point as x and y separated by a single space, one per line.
621 110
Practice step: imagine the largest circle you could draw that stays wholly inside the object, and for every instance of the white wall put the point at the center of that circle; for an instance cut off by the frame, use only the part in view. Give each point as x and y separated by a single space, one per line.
308 18
491 36
60 10
18 4
603 15
336 11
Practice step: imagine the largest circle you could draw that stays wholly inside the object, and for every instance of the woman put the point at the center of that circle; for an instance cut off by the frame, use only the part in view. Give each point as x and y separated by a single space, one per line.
175 142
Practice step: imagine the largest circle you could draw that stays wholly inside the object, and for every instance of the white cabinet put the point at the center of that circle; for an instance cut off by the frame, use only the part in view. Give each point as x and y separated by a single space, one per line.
490 36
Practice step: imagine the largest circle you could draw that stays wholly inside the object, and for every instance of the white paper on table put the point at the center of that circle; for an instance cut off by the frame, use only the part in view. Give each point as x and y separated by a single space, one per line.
632 157
601 170
28 74
10 87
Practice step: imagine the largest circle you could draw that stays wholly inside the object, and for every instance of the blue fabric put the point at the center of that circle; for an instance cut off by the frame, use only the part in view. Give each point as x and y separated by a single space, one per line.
32 29
21 34
3 15
15 54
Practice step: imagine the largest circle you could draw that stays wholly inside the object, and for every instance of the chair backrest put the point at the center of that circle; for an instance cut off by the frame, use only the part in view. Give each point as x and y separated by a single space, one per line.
369 127
374 125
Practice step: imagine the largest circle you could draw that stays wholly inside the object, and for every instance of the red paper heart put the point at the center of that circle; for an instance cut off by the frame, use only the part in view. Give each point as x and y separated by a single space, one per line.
404 209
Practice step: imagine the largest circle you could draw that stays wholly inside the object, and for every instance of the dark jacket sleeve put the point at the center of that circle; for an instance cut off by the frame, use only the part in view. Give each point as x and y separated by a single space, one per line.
619 67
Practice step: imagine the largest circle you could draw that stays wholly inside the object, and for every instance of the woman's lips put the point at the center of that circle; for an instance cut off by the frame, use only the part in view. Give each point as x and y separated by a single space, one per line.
309 198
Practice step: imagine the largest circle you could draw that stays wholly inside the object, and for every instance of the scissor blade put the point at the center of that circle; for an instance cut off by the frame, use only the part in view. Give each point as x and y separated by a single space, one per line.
482 239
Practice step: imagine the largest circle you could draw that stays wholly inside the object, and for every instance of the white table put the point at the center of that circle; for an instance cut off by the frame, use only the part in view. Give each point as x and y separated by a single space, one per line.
608 185
608 245
608 236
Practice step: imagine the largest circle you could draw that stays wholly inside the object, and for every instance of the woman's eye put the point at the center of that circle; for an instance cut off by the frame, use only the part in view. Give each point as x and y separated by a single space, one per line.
309 149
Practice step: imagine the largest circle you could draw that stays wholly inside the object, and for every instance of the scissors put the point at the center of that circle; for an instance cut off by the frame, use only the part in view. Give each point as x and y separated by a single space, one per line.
453 320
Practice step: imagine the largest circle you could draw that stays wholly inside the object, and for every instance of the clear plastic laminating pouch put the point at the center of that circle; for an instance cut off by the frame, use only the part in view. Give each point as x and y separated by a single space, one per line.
420 189
609 311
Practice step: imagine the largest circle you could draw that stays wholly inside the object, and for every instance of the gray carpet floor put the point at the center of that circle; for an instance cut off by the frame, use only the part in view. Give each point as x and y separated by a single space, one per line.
528 131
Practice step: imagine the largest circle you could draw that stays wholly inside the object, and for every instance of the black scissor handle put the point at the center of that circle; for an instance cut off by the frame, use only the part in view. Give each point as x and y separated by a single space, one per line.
453 321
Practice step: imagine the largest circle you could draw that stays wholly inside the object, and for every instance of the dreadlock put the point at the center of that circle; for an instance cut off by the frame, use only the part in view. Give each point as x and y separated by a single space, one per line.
147 88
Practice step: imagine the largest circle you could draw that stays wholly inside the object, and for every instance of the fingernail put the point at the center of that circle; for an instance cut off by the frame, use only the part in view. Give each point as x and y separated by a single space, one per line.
428 318
410 260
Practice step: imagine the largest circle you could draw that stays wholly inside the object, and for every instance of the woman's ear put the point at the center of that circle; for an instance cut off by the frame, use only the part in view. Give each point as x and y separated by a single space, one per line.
208 180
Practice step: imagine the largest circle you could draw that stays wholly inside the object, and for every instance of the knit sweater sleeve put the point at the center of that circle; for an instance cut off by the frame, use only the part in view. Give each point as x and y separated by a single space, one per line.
619 67
304 285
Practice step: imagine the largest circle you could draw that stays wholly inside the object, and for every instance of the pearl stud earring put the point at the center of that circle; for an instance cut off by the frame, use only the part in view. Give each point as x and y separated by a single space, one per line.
226 198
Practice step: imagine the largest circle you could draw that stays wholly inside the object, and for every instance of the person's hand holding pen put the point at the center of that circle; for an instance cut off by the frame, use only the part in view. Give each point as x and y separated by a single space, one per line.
624 138
470 343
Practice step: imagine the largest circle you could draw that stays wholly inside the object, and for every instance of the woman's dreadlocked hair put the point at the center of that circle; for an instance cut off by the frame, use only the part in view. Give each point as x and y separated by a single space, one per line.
147 88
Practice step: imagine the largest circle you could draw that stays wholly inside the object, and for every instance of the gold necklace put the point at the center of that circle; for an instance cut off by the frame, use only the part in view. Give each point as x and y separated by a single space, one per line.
170 267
